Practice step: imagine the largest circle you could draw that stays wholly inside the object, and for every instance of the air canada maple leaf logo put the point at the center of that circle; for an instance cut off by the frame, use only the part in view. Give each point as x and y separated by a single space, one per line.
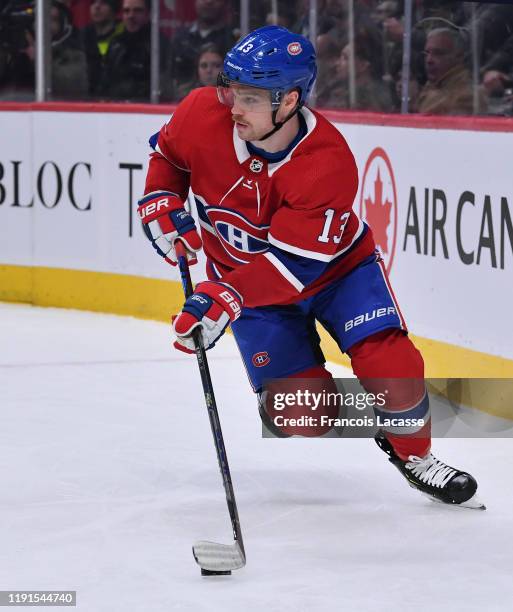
378 203
378 215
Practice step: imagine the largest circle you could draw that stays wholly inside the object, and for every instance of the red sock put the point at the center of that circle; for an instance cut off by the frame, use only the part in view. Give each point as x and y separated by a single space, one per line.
383 359
309 424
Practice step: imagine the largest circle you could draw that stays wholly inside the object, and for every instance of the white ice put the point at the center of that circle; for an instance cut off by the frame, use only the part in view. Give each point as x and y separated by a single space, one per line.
108 475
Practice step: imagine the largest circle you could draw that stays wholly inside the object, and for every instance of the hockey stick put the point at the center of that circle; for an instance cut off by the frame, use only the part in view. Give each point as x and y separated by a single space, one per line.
213 558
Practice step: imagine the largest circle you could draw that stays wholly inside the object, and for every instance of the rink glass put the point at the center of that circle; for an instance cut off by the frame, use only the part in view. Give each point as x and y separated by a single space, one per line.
363 61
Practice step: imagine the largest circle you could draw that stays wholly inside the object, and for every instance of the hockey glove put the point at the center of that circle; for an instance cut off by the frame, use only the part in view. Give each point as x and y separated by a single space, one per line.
211 307
164 221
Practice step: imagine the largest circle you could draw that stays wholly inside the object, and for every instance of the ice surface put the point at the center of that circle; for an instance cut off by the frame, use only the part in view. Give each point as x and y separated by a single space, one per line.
108 475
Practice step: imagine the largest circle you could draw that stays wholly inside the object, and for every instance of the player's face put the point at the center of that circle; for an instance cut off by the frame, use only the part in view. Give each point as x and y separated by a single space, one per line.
251 111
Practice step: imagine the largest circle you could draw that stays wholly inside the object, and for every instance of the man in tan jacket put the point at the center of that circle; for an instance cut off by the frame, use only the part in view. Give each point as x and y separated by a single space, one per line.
448 90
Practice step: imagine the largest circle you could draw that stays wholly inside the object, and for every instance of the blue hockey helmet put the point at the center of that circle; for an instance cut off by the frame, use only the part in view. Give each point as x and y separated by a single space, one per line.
272 58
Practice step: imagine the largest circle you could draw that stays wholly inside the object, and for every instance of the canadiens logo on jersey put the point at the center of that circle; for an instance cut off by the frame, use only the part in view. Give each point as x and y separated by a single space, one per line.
239 238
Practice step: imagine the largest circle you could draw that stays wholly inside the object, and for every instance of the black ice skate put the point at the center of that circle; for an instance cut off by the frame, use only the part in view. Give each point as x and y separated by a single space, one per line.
434 478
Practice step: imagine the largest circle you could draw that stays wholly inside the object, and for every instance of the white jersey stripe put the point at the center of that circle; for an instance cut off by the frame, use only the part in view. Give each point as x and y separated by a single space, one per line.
214 267
391 293
207 227
159 151
285 272
314 254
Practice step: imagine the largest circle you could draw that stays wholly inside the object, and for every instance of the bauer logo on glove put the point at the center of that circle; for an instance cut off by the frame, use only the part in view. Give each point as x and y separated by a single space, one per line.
199 298
149 209
165 220
211 308
232 302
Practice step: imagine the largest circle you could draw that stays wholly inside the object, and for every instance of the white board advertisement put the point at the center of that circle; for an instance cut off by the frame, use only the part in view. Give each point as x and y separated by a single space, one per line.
440 203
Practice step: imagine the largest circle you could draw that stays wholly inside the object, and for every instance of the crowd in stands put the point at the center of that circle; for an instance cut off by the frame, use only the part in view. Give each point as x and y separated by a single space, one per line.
461 52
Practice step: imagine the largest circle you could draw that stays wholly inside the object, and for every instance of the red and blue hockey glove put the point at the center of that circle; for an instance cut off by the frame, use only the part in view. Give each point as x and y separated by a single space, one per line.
165 220
211 307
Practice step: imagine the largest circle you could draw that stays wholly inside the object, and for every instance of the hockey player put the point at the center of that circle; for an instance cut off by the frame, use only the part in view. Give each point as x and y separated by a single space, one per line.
274 184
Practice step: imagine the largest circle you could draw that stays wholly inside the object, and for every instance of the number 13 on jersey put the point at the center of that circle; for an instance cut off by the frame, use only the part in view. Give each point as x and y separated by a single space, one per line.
326 230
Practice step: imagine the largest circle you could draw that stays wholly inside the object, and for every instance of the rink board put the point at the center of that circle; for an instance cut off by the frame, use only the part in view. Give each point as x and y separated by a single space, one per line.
440 203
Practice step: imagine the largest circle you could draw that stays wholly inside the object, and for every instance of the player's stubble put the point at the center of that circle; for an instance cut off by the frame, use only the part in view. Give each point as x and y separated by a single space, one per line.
248 131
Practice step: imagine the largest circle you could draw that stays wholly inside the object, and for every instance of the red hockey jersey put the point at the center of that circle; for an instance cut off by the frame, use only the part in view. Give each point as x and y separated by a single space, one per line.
276 232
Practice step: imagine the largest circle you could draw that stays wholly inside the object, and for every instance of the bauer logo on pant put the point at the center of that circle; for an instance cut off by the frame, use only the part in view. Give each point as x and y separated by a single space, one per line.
369 316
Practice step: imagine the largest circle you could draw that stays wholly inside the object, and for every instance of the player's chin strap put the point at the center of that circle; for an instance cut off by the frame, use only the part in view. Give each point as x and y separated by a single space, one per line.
279 124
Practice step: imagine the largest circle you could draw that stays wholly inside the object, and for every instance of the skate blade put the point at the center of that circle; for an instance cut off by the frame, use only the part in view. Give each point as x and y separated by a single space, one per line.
474 503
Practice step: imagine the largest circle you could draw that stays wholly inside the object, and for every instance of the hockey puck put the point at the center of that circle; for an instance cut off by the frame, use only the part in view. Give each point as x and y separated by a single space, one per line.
206 572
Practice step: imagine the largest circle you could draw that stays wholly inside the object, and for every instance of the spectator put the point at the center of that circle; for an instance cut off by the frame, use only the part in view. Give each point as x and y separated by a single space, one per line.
437 10
16 56
427 15
328 58
385 9
210 27
208 65
96 39
334 18
448 90
69 64
79 11
334 22
68 73
370 91
302 10
496 80
387 17
286 16
495 32
128 61
397 90
494 25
